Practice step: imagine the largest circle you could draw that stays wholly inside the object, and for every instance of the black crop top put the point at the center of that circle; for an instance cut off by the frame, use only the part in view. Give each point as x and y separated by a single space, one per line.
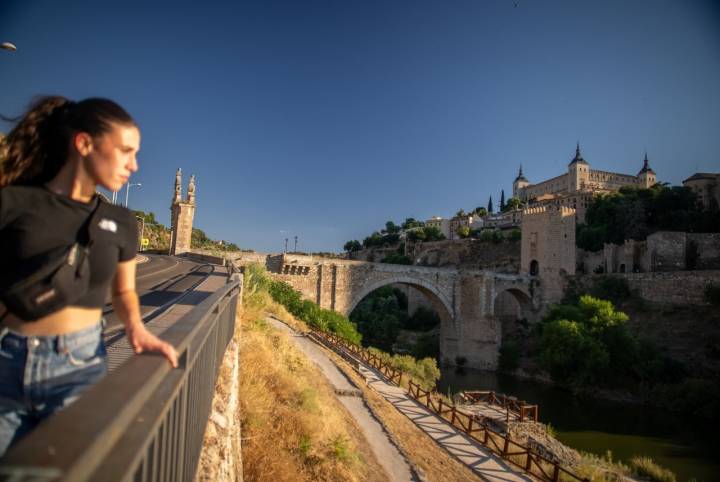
34 220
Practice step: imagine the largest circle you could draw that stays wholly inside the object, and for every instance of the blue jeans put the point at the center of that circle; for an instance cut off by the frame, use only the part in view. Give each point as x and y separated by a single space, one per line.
42 374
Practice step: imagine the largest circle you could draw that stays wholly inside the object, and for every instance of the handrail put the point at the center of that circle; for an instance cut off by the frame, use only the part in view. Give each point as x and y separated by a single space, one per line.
471 424
144 421
519 408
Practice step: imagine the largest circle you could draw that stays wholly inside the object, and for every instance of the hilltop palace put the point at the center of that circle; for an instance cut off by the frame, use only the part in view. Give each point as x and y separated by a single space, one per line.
576 188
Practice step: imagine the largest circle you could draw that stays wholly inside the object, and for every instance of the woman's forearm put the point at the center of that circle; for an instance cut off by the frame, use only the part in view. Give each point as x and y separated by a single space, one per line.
127 307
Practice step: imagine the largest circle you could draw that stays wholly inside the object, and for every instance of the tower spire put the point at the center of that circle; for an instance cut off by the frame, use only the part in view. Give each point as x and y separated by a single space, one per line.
178 186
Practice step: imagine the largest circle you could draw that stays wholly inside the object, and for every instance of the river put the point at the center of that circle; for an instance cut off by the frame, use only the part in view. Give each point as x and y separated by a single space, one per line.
686 446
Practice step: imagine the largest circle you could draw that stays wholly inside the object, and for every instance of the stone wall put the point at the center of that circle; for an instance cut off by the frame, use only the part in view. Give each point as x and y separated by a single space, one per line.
373 254
676 287
503 257
706 248
662 251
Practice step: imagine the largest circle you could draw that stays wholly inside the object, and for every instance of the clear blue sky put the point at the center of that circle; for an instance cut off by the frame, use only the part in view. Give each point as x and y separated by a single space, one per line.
324 119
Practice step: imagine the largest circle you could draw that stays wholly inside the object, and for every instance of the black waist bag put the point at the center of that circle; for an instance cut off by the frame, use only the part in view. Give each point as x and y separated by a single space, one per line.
57 278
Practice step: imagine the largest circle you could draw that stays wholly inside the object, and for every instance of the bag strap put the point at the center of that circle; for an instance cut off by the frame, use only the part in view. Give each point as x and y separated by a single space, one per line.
91 221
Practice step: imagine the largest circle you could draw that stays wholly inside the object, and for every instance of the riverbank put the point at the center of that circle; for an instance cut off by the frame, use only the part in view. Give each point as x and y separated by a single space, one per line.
683 444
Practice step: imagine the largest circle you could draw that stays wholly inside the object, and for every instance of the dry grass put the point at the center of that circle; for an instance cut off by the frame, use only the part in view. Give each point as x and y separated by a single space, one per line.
293 426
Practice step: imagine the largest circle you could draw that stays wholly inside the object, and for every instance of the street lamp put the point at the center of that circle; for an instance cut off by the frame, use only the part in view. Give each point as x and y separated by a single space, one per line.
127 190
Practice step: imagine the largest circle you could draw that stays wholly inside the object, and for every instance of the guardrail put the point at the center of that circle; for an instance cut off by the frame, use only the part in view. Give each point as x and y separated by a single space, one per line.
473 425
522 410
146 420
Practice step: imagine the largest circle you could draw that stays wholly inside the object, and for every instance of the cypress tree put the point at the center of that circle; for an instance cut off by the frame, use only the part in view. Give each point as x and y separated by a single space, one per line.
490 206
502 200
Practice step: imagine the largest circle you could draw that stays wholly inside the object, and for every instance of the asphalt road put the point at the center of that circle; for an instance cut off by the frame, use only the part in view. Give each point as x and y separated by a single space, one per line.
159 281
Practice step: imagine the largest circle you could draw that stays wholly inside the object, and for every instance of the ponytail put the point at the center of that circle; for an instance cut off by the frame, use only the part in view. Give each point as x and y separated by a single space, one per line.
37 147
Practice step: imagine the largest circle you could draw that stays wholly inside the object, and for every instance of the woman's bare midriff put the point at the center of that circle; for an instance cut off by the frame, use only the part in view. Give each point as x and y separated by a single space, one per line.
67 320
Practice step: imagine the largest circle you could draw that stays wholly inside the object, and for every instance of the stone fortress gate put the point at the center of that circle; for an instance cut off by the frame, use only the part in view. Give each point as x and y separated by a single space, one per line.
466 300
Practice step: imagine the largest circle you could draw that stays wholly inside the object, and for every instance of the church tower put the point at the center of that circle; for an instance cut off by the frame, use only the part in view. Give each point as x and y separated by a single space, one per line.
646 176
519 185
181 215
578 172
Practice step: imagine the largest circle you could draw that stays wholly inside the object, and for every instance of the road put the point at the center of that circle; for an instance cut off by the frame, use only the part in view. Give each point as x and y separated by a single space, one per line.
160 281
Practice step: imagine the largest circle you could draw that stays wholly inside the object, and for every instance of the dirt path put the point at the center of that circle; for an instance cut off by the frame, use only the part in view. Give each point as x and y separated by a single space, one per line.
387 454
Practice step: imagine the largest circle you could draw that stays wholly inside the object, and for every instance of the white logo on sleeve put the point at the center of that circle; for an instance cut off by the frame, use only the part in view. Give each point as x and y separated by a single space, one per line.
108 225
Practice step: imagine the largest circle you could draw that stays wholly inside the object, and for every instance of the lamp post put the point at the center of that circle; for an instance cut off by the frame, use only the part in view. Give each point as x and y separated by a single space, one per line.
127 190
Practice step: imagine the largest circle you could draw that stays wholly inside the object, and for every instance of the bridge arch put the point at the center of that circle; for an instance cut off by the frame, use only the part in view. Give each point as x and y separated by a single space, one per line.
513 311
442 305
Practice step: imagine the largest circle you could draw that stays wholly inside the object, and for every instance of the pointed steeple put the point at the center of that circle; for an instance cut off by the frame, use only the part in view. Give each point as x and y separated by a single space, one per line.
578 157
178 186
646 166
520 176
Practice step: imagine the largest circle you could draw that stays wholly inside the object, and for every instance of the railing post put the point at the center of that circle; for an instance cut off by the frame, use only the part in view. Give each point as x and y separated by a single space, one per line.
556 473
470 424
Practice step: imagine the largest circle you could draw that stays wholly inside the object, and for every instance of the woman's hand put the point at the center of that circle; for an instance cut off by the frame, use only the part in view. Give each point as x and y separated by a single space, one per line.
142 340
127 307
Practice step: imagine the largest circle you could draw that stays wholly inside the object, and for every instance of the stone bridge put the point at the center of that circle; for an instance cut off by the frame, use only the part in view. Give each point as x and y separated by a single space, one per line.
469 302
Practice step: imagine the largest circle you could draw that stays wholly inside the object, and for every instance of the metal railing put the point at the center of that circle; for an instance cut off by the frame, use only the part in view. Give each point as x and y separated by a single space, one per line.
146 420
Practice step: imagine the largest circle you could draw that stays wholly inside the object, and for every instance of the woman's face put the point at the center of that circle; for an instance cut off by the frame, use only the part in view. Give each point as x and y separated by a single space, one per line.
113 156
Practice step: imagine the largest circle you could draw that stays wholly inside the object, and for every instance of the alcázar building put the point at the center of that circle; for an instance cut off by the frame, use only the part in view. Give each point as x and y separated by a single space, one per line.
576 188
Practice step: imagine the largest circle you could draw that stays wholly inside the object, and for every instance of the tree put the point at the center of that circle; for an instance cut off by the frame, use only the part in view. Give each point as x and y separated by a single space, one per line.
352 246
412 223
375 239
391 228
502 200
480 212
433 234
512 204
460 214
490 205
463 231
633 213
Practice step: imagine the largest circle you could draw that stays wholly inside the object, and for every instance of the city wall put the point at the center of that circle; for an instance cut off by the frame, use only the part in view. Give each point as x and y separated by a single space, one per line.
503 257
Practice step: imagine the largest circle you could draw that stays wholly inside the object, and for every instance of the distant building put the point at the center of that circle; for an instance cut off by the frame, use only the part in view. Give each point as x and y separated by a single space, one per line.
441 223
576 188
458 222
706 186
506 220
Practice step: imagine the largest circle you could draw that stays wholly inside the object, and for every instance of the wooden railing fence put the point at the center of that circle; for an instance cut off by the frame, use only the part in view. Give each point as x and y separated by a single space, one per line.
472 425
522 410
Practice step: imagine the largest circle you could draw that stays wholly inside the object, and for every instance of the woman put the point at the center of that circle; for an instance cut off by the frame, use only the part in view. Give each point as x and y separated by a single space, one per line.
50 166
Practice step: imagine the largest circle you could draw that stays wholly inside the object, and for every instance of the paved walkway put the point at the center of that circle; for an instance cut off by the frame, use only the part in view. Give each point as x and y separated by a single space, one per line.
120 351
483 462
387 454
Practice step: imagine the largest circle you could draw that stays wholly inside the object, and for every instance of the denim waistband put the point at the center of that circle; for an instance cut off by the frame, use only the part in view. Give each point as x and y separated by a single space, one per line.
59 343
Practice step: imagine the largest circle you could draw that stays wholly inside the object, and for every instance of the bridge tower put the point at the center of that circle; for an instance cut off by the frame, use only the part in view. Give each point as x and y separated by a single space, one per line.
181 216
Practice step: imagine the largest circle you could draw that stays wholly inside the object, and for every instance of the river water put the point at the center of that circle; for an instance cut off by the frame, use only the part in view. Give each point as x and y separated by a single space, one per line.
688 447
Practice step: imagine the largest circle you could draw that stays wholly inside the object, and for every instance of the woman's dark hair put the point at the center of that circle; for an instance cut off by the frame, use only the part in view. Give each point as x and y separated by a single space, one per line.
37 147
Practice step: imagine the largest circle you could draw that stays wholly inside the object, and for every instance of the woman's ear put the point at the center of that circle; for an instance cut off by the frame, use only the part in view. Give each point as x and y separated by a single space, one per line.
83 143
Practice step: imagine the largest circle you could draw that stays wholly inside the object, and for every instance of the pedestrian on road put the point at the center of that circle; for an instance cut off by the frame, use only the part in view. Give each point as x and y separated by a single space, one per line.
51 346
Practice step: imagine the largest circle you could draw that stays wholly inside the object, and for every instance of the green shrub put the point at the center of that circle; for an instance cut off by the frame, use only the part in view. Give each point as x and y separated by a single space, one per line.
611 288
423 319
312 314
424 372
515 235
428 345
647 467
396 258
